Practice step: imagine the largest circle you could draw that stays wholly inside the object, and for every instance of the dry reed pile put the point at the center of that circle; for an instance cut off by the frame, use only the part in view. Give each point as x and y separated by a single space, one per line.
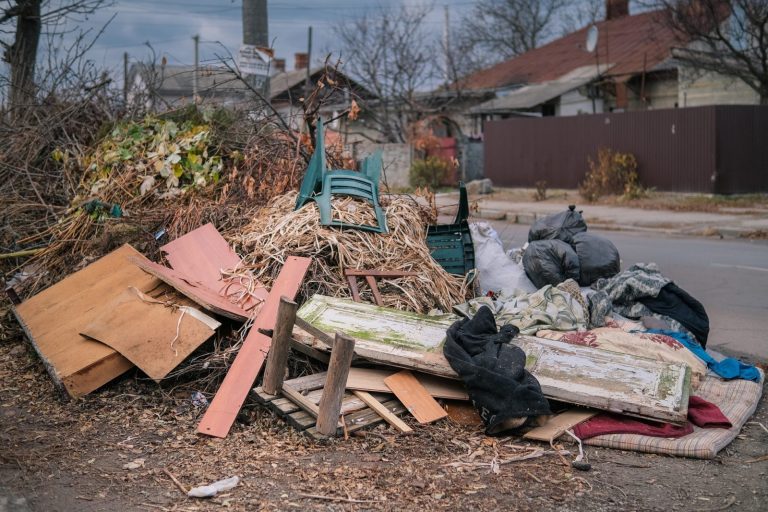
277 231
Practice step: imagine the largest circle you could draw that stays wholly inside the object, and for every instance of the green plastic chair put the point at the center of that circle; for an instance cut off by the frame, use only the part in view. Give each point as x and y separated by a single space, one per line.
451 244
320 185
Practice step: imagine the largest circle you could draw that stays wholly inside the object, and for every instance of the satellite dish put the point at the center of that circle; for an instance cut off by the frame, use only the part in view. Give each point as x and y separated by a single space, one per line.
592 38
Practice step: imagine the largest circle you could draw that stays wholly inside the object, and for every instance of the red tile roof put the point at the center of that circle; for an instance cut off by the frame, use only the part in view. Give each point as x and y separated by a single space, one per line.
624 42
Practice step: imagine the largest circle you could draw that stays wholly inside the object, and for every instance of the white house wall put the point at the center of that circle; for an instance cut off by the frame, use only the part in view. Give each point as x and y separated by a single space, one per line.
698 89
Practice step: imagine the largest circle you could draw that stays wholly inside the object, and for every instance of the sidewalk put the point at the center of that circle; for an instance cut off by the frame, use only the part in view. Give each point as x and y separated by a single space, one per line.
732 224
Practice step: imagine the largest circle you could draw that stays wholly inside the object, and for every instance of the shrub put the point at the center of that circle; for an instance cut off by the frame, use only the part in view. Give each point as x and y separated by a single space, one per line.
429 172
612 173
541 191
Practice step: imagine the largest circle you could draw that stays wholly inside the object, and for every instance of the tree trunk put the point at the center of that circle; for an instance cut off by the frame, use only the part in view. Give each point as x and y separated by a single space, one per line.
22 55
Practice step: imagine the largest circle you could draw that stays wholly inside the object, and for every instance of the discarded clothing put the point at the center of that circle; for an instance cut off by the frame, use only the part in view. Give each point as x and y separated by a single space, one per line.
547 308
626 289
701 413
651 346
550 262
493 371
728 368
599 307
635 293
676 303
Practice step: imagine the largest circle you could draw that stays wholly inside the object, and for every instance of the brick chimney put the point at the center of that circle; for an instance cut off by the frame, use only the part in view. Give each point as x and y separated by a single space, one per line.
278 65
615 9
302 61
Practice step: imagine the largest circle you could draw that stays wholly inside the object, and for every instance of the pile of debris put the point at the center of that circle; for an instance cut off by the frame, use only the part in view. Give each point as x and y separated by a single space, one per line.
404 317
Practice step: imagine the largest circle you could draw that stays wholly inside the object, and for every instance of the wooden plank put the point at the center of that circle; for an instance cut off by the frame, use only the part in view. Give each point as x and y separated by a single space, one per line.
195 290
154 335
361 419
300 400
557 425
229 398
463 413
203 254
415 397
586 376
372 379
383 411
53 319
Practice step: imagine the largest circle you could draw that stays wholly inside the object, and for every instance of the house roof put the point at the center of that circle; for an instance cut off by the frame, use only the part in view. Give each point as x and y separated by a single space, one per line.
630 43
530 95
177 80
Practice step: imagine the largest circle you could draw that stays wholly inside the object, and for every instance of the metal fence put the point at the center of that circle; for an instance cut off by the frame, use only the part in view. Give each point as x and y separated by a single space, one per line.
717 149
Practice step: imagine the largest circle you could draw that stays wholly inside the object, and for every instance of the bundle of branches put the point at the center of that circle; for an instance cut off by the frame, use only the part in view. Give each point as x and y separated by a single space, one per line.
35 191
153 180
278 231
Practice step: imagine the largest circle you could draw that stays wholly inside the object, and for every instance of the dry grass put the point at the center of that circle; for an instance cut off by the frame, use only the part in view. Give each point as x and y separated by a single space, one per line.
278 231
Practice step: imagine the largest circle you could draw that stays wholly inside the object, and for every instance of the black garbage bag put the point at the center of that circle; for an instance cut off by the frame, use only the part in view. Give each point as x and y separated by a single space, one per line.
674 302
559 226
598 257
550 262
493 371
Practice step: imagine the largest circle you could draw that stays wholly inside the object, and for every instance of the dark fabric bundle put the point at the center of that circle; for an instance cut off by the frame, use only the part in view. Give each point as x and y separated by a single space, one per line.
493 371
550 262
598 257
560 226
676 303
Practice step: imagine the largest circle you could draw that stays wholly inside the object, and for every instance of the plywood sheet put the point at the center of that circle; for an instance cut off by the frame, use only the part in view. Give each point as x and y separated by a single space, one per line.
154 335
574 374
557 425
370 379
195 290
229 398
415 397
53 319
203 255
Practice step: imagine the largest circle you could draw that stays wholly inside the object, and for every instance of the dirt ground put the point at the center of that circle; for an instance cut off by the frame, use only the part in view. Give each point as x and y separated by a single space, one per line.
58 455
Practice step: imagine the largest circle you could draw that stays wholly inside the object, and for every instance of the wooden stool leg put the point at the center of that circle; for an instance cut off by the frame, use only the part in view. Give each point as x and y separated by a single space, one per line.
335 384
277 360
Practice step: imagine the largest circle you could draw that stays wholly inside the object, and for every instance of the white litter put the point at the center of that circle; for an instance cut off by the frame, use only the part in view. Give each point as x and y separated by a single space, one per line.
209 491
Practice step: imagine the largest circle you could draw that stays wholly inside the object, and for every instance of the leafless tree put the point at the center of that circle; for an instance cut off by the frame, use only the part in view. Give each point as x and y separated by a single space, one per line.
496 30
21 25
728 37
391 53
580 14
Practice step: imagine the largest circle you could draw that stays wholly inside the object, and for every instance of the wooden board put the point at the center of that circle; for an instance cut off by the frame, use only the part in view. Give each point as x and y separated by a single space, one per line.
53 319
202 254
152 335
382 411
370 379
229 398
415 397
195 290
580 375
557 425
463 413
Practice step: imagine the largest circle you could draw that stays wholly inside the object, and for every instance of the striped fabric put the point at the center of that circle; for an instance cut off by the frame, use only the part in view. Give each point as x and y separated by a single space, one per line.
737 399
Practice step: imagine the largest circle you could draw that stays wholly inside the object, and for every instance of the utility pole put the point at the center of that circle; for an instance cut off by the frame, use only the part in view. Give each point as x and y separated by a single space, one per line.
196 39
308 84
125 78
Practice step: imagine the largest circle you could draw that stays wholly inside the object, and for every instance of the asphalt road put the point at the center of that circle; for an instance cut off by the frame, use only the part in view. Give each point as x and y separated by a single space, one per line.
730 277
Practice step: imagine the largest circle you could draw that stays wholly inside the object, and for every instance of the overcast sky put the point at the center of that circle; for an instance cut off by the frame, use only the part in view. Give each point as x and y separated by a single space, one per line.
170 24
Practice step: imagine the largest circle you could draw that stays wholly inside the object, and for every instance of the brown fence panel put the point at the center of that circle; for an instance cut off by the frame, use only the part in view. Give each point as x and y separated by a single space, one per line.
699 149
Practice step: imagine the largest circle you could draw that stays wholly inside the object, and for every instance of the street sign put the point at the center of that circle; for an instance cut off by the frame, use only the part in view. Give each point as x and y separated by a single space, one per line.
251 62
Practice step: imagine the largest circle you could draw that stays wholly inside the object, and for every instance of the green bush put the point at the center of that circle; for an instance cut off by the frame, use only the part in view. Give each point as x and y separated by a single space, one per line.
429 172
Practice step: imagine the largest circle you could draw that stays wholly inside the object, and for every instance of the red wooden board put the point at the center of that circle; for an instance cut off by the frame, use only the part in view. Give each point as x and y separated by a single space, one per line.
242 374
202 254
